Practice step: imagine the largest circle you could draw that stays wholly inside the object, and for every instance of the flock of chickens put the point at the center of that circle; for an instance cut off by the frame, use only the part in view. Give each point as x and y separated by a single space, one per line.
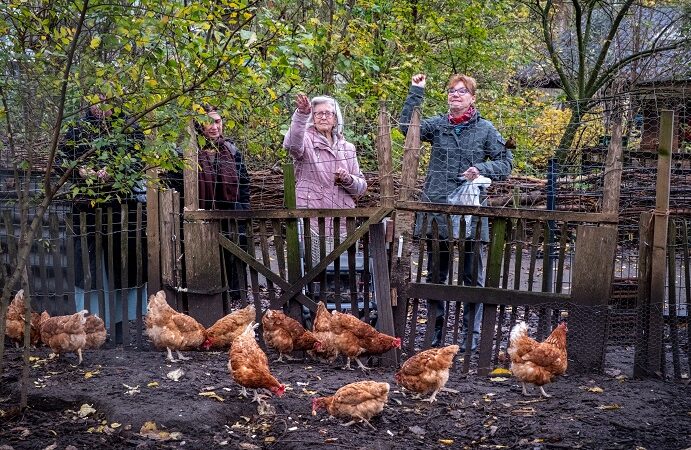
333 334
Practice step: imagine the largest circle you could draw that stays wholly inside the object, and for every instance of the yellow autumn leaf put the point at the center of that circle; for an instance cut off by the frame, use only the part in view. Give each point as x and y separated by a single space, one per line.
446 441
115 425
152 384
308 392
595 389
90 374
212 394
498 379
500 371
95 42
85 410
34 358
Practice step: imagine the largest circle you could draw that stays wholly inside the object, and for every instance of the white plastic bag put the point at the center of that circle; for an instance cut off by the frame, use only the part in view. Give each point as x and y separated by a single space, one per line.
468 193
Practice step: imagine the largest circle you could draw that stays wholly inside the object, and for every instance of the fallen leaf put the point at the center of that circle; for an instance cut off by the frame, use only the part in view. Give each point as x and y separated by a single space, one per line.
446 441
131 390
85 410
269 439
115 425
176 374
595 389
498 379
527 411
308 392
34 358
151 431
330 440
500 371
91 374
611 407
212 394
152 384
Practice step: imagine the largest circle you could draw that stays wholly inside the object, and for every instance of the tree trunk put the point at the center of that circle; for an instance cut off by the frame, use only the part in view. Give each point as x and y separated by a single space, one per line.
569 135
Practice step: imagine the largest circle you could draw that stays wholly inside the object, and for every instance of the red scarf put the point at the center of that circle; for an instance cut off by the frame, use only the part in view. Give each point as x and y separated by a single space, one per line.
463 117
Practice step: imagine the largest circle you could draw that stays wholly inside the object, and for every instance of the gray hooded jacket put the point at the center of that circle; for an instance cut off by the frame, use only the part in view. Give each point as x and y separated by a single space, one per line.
455 148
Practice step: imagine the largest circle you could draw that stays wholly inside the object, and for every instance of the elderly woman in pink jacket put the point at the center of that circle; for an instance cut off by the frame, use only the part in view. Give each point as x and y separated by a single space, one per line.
327 172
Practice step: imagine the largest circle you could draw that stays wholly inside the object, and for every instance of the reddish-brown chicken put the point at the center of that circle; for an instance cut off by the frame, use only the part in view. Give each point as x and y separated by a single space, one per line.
322 331
170 329
95 332
220 335
537 362
249 366
14 321
64 334
285 334
428 371
358 401
354 337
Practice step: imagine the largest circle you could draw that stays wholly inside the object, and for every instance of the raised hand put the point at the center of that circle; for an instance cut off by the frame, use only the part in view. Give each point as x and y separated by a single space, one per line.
303 104
419 80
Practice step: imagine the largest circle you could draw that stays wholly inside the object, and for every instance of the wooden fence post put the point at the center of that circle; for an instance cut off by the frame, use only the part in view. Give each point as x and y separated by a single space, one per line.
383 145
153 242
292 239
593 271
385 322
202 250
403 224
645 236
653 303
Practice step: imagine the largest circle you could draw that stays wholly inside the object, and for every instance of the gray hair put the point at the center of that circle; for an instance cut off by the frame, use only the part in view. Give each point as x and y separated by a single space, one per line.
338 129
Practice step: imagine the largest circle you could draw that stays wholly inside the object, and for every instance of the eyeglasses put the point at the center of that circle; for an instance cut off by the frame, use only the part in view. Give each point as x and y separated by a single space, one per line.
324 114
460 91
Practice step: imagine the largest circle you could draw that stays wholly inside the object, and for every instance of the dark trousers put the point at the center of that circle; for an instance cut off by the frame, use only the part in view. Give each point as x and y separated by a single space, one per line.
469 261
234 266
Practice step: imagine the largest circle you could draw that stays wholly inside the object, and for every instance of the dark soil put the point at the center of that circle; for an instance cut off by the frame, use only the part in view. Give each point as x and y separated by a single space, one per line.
483 413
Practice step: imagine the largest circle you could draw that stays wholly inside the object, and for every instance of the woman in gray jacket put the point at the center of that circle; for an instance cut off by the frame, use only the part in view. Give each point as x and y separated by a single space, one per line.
464 146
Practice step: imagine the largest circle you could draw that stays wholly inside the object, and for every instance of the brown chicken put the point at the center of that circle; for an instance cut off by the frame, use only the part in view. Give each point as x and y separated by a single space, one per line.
249 366
322 331
285 334
170 329
64 334
354 337
221 334
14 321
427 371
95 332
537 362
358 401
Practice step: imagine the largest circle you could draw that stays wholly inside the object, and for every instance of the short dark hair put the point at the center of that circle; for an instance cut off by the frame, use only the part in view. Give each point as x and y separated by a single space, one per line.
198 127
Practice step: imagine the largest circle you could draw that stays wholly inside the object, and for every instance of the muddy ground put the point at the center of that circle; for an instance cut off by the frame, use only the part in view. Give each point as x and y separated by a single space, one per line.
128 388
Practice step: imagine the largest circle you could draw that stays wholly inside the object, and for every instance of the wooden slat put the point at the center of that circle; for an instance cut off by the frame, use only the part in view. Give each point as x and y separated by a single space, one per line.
124 280
99 263
280 253
336 224
642 366
687 287
58 274
352 272
381 288
494 296
672 298
110 264
86 267
254 276
383 146
153 240
593 272
278 213
177 244
166 233
189 173
508 213
292 240
266 259
489 313
69 307
140 277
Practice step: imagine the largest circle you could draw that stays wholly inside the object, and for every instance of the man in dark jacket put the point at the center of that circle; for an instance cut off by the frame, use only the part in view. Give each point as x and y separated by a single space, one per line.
223 183
464 146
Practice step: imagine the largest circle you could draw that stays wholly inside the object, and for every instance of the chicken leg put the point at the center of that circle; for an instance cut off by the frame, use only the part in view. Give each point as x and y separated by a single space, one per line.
361 420
79 352
542 390
432 398
288 357
525 391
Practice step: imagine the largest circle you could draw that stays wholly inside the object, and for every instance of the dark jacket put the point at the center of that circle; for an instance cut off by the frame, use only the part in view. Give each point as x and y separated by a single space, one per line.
223 179
113 148
455 148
